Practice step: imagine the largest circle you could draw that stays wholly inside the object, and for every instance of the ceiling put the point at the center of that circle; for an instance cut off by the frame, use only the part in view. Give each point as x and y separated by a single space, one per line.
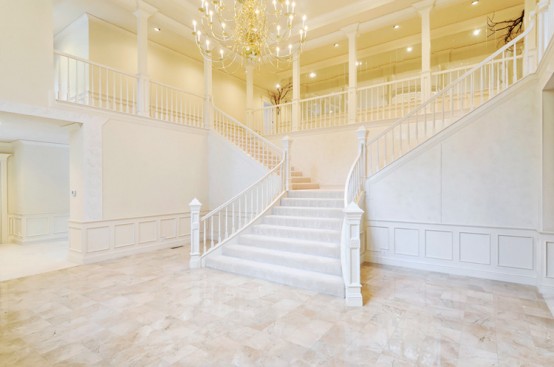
450 20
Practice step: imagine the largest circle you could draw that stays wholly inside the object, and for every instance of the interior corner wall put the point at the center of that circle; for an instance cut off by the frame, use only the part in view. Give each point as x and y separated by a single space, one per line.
74 39
230 170
151 169
26 41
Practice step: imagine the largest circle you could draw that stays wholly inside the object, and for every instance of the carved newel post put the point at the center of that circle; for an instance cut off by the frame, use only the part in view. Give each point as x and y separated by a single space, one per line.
195 260
353 216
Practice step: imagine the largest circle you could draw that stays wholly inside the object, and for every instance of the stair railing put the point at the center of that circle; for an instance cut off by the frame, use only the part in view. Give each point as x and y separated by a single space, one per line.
171 104
252 143
475 87
350 247
210 232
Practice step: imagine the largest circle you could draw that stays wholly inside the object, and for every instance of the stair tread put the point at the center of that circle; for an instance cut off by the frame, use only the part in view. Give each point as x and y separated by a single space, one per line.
300 217
262 237
291 228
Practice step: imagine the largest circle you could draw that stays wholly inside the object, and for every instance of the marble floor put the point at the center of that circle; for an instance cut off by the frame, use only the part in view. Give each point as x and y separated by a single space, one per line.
23 260
151 310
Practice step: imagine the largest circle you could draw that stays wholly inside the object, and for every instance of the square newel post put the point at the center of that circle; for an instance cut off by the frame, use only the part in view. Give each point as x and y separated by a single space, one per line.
353 286
286 149
195 261
361 134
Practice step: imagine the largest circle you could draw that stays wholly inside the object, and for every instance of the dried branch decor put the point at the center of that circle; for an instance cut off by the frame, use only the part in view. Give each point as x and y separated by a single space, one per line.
512 27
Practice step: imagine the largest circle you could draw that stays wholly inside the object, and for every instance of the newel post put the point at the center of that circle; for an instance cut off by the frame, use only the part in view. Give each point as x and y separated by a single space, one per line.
353 291
195 261
286 149
361 134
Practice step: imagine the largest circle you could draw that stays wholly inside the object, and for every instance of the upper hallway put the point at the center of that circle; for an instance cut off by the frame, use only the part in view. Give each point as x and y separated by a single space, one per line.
105 32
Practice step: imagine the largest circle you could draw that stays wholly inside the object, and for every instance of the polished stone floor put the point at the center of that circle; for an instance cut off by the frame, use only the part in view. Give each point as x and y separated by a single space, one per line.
151 310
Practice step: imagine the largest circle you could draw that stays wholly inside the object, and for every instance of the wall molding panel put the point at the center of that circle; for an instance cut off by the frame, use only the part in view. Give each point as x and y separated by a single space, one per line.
103 240
504 254
25 229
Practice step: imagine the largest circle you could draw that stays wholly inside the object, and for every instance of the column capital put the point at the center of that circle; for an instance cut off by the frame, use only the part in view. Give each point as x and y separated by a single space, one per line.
351 30
144 10
424 6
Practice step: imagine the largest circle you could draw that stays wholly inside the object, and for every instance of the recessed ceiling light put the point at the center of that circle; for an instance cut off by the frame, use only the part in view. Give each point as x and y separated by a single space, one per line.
396 26
312 75
358 63
336 45
409 48
476 32
157 29
475 2
277 86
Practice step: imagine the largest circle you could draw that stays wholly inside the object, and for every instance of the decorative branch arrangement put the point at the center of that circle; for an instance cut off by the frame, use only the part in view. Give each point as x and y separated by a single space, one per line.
512 27
279 95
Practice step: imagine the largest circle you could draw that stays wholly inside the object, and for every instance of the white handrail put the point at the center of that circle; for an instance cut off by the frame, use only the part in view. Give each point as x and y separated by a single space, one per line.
171 104
471 90
258 147
88 83
227 220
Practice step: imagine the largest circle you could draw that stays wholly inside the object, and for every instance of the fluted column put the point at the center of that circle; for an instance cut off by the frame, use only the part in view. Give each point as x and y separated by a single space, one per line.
424 10
352 33
143 12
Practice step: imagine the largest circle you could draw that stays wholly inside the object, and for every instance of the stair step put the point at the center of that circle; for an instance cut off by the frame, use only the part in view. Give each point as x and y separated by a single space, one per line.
329 194
324 235
300 211
296 173
313 202
299 179
320 264
323 283
320 248
303 221
304 186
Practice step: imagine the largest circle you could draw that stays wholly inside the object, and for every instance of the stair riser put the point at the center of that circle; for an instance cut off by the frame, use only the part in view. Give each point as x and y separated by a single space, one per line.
328 266
304 223
287 232
281 278
300 180
287 245
316 194
308 212
327 203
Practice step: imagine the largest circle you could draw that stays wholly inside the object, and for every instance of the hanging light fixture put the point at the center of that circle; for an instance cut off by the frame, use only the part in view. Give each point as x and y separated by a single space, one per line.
249 31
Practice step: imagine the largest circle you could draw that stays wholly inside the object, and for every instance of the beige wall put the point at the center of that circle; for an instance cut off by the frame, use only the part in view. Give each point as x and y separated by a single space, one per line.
26 45
151 169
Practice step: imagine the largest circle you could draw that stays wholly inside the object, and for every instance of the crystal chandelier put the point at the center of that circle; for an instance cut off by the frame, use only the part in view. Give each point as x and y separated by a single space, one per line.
249 31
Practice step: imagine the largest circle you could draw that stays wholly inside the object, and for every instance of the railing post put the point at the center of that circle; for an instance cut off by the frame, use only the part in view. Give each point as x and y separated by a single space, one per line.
295 111
361 134
195 260
353 286
286 150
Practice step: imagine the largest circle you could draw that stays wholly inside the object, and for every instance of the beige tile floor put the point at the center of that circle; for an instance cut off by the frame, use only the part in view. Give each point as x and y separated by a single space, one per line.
151 310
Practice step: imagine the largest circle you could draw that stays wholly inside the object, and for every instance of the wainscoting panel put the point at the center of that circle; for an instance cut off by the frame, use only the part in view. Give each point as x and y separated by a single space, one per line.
475 248
124 234
516 252
486 252
37 227
439 245
103 240
406 242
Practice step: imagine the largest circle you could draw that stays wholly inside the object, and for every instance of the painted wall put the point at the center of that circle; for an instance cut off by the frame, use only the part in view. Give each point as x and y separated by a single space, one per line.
151 169
230 170
548 161
74 39
40 178
26 44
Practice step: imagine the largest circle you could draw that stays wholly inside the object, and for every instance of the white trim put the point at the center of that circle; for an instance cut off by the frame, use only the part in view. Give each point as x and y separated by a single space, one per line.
4 197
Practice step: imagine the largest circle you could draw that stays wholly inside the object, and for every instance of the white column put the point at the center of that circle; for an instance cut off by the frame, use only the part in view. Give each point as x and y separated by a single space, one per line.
249 94
143 12
352 33
4 197
195 259
424 10
353 290
530 62
286 149
208 93
296 91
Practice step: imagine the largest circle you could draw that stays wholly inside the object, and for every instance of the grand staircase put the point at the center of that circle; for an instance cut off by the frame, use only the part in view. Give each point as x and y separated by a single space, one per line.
297 244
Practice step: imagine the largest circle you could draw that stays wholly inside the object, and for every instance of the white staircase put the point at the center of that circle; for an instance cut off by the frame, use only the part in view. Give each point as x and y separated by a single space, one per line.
297 244
300 182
